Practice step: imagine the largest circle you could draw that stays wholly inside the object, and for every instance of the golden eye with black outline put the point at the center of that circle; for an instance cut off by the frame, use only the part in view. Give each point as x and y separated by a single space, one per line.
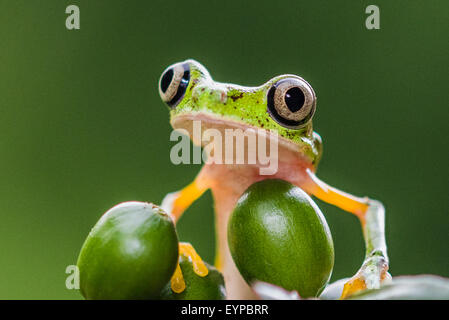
291 102
173 83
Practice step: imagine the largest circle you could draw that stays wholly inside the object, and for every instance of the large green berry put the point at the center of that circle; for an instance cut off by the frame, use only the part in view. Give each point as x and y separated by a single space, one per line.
277 234
130 253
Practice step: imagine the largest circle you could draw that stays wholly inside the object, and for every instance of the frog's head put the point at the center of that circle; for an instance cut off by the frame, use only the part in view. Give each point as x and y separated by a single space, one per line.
283 105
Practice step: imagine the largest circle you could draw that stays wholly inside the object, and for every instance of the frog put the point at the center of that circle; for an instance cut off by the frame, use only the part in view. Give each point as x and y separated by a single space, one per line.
281 109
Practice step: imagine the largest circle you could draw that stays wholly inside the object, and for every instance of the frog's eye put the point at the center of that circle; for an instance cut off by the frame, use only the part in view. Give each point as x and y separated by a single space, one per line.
291 102
173 83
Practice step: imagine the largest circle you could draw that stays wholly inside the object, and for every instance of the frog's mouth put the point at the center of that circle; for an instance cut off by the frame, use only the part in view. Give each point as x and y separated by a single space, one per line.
197 124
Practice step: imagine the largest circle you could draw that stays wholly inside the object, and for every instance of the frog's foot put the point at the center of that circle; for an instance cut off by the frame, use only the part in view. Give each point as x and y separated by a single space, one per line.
373 271
178 284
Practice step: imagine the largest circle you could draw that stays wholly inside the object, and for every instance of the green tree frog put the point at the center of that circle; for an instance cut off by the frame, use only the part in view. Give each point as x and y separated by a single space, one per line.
282 109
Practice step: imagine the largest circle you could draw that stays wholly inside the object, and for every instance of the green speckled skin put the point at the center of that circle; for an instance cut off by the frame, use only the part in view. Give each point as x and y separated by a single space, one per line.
245 105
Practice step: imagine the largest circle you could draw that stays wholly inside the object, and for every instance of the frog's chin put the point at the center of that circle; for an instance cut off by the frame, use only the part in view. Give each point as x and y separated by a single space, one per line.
196 125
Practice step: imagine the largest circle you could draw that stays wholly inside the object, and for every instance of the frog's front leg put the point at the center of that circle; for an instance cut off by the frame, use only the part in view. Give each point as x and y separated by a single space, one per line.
175 204
371 214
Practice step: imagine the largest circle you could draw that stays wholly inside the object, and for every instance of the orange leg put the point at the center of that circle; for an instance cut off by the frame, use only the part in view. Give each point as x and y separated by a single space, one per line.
175 204
371 214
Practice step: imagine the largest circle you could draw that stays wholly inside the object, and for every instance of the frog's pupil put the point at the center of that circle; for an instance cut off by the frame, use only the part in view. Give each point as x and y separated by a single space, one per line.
294 99
166 79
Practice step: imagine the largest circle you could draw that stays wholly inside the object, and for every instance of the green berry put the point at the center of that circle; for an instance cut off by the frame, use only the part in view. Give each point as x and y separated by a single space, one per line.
130 253
277 234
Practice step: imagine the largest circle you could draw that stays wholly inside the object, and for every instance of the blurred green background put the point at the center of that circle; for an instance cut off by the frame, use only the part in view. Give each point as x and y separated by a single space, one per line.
82 126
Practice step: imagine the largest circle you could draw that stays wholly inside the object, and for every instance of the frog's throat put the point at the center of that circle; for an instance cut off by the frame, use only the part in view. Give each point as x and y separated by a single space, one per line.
287 150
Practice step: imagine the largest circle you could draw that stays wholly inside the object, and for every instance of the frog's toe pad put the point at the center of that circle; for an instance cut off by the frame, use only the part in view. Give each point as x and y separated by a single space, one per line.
178 284
198 265
360 282
354 285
